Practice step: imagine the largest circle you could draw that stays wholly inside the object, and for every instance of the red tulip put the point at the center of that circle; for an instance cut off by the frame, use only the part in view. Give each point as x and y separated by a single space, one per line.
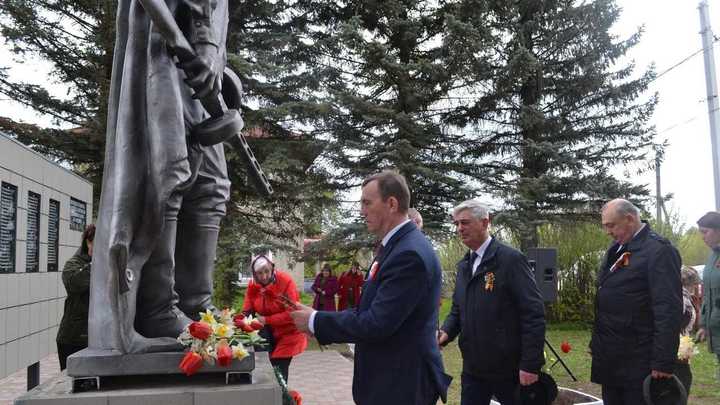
224 355
244 326
565 346
191 363
239 319
200 330
256 325
296 397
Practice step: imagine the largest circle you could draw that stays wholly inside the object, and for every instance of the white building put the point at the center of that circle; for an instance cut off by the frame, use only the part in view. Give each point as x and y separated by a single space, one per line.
43 211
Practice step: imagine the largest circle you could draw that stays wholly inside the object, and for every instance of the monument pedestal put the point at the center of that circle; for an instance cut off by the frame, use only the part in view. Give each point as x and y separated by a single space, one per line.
110 363
200 389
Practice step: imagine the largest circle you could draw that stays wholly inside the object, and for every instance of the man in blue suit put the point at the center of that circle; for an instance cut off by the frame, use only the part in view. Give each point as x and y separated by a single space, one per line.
397 359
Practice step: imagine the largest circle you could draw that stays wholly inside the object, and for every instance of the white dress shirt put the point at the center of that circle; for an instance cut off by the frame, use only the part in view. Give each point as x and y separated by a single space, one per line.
480 253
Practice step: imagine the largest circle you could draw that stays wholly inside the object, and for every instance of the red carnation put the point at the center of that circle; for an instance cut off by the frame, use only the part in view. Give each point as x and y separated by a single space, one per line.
224 355
565 346
200 330
191 363
256 325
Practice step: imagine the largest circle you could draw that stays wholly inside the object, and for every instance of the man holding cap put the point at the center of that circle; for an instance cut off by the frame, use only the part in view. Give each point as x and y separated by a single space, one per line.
638 307
709 226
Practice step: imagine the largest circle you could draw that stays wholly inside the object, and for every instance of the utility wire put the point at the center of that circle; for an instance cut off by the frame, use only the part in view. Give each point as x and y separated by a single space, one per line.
715 41
679 124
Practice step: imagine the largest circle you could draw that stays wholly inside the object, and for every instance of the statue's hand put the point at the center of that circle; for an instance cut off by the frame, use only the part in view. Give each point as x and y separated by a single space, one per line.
203 72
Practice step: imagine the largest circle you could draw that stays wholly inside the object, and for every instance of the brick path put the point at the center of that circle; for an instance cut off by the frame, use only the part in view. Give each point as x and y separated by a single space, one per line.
15 384
323 378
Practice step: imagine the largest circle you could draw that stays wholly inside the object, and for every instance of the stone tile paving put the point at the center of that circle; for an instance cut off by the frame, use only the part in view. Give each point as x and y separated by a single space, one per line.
15 384
323 378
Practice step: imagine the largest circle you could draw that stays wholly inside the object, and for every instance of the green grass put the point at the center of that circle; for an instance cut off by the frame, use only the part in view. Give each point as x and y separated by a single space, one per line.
705 388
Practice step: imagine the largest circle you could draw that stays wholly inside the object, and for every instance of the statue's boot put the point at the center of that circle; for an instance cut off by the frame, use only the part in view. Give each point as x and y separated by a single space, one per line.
157 311
195 263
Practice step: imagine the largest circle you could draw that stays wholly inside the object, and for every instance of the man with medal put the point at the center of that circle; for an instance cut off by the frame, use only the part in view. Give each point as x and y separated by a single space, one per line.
397 360
638 308
497 311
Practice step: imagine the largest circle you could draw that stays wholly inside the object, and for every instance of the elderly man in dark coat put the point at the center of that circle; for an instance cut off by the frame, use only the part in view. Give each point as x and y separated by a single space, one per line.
498 312
638 308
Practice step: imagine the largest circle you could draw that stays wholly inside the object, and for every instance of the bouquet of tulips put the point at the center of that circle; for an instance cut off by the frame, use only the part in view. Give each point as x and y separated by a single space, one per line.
218 339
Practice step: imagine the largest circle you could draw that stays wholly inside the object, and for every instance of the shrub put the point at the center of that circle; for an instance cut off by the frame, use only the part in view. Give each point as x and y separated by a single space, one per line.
450 252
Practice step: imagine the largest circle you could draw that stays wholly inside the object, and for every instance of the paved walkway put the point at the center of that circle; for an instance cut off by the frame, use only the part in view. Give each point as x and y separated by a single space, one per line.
323 378
15 385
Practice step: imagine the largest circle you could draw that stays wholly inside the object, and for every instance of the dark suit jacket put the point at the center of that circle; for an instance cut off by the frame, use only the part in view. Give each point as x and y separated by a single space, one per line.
397 359
501 328
638 312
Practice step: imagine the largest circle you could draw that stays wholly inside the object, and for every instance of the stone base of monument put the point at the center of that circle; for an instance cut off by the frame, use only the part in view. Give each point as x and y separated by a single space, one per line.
108 363
207 388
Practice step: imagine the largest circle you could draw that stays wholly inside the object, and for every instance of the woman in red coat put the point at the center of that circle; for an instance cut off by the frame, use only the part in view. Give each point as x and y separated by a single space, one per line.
262 298
325 288
350 283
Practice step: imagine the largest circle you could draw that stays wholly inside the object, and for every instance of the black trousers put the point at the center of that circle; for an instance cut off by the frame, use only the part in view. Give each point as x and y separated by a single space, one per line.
284 365
478 391
683 373
623 394
66 350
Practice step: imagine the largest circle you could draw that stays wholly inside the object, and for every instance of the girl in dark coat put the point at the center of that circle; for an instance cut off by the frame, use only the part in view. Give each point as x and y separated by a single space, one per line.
73 331
325 288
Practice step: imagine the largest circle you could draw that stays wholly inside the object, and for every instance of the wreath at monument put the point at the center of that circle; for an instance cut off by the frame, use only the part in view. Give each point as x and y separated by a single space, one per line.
217 340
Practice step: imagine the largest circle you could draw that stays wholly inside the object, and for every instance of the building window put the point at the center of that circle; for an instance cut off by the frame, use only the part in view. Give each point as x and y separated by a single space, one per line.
8 223
53 234
78 212
32 241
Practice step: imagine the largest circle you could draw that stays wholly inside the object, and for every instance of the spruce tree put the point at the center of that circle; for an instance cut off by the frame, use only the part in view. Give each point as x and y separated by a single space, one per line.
76 38
560 107
388 68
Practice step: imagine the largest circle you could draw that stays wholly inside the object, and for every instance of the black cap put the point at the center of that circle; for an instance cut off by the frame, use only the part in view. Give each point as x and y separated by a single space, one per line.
542 392
664 391
710 220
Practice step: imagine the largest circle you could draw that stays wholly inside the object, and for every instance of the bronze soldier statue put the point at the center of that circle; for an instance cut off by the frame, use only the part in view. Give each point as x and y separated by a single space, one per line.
165 183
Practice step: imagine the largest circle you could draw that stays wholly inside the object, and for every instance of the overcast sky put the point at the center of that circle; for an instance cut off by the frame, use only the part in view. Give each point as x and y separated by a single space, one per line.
681 118
671 34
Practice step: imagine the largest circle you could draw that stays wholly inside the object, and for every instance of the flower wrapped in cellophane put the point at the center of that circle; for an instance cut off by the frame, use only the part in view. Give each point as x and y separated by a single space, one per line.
218 339
687 348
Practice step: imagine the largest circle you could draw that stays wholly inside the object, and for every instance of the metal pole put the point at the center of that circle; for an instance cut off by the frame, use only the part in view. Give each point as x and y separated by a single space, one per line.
559 360
708 41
